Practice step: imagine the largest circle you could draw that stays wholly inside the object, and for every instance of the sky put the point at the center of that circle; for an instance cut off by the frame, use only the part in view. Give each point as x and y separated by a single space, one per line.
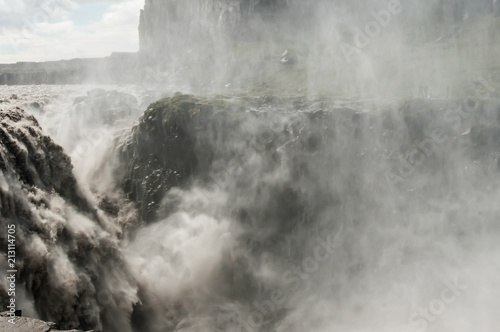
46 30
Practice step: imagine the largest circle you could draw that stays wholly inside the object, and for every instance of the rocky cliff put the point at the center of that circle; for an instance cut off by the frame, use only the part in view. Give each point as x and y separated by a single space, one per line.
67 251
318 46
117 68
169 26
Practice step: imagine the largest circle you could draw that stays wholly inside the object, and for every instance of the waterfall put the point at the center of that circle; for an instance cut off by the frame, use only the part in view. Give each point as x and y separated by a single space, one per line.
312 175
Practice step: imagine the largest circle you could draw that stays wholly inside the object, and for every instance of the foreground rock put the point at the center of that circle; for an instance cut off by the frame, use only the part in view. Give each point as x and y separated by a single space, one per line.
25 324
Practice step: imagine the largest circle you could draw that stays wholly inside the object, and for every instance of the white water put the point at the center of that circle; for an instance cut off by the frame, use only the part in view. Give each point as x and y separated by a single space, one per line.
396 252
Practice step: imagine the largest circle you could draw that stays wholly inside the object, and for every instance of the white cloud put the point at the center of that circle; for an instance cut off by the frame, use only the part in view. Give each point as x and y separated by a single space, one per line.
55 28
11 6
61 38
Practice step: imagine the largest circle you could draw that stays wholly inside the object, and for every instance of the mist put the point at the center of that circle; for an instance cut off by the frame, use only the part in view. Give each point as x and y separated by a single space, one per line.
263 166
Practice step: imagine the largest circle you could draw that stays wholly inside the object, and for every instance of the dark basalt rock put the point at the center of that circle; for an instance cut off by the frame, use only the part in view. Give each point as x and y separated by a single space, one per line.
160 152
183 136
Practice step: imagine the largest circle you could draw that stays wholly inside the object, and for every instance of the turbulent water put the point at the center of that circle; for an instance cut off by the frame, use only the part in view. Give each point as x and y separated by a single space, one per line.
321 231
303 188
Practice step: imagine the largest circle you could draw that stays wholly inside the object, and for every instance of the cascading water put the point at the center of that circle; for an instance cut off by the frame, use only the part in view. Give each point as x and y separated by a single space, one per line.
247 211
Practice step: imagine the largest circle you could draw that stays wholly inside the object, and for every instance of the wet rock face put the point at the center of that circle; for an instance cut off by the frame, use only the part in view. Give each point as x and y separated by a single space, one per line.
67 255
183 138
31 157
160 152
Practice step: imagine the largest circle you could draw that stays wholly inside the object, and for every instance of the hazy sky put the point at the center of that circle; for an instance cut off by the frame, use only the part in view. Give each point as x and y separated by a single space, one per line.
44 30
